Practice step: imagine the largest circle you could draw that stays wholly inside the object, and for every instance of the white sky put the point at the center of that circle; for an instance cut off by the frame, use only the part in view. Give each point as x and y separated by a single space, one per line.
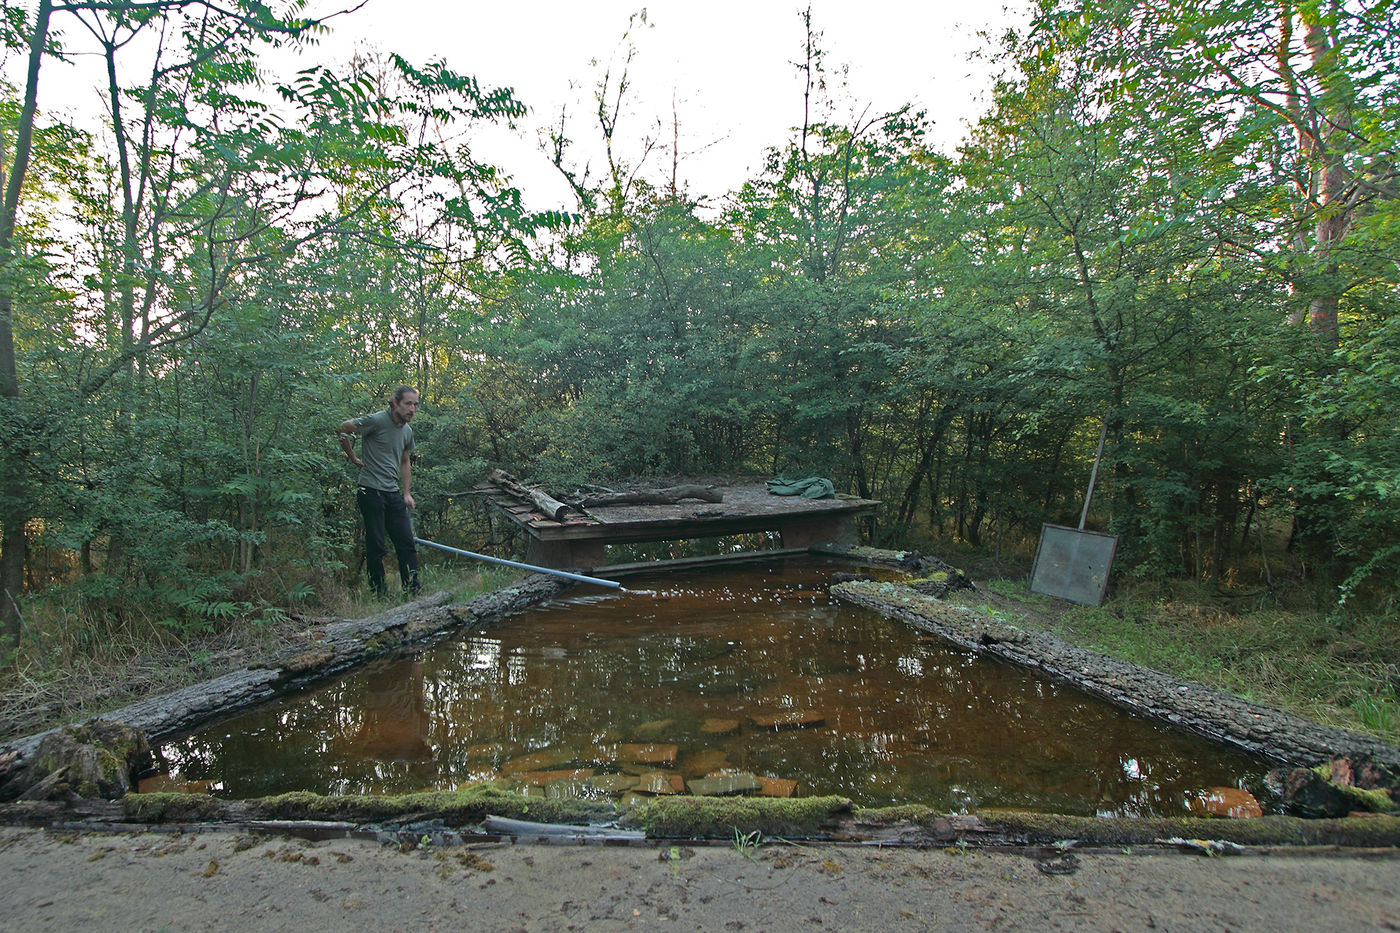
728 66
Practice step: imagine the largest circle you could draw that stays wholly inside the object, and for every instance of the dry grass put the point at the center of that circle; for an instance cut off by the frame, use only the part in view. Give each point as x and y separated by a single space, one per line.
53 683
73 666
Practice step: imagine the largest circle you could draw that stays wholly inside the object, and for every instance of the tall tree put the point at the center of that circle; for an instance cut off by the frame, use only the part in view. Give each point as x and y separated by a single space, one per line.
1301 102
13 517
1097 212
218 186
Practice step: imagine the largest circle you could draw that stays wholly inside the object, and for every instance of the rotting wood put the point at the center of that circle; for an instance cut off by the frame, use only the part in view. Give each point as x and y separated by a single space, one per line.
669 495
551 506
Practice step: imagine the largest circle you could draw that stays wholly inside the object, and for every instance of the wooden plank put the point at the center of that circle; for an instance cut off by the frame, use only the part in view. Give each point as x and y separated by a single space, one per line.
578 540
660 530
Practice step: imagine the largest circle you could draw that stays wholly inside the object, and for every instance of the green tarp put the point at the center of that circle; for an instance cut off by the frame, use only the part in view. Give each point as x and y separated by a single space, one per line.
814 487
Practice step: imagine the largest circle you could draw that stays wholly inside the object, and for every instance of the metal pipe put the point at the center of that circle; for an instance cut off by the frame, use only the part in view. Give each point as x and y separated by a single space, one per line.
1094 476
511 563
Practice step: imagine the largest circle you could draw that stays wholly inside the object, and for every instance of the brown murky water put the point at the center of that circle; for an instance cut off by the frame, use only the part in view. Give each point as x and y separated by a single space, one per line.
750 670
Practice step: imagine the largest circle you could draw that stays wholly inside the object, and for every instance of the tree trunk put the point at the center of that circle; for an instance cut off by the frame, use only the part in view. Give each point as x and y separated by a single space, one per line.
14 510
1325 134
1333 210
541 499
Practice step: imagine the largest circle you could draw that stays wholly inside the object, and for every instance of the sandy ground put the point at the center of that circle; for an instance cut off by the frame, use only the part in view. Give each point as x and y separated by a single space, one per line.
226 881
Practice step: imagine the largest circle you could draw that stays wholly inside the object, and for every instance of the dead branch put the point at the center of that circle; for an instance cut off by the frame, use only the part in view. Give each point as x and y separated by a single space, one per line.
537 497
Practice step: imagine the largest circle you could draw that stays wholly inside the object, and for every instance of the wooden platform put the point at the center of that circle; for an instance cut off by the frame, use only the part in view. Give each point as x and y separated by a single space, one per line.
579 540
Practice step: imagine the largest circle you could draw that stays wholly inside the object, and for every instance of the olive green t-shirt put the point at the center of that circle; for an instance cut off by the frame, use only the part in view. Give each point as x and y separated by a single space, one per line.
382 443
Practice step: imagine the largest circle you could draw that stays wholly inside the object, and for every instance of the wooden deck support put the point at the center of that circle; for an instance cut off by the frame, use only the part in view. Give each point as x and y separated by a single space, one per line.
561 555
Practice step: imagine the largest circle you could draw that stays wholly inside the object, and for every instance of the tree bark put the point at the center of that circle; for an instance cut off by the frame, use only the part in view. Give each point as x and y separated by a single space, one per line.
14 512
1334 212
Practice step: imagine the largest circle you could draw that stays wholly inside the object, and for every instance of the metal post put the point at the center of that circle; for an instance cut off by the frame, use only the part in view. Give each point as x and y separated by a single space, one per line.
1093 476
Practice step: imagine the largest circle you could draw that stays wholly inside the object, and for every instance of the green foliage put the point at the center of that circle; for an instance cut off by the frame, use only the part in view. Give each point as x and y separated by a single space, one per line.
1345 460
1124 242
232 304
1379 715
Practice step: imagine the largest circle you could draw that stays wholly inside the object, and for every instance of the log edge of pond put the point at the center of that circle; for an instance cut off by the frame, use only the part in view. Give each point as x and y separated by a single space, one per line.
460 818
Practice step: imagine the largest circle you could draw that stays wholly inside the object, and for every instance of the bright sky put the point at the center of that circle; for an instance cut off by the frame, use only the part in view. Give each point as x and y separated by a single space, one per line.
726 68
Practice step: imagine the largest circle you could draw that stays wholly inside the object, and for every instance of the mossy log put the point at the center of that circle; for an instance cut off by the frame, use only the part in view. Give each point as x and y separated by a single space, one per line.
829 819
723 817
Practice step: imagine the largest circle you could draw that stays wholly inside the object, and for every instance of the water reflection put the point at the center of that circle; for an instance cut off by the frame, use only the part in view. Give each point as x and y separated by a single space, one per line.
751 670
388 726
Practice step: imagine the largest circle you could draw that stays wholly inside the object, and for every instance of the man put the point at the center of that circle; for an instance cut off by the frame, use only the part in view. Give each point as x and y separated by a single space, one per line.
386 447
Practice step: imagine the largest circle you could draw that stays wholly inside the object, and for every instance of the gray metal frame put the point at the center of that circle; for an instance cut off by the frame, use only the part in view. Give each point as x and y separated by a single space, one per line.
1073 564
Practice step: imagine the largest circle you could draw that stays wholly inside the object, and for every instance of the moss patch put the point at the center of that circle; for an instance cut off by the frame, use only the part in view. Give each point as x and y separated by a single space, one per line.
454 808
1376 800
307 661
1041 828
94 760
720 817
176 808
1370 798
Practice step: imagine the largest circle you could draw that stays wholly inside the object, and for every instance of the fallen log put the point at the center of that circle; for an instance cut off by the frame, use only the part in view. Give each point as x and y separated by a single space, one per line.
542 500
667 496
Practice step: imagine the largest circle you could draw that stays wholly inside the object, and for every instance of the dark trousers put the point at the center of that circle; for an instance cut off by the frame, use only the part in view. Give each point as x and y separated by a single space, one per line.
385 515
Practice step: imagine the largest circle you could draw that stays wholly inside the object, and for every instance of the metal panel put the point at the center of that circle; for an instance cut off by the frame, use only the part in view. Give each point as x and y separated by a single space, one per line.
1073 564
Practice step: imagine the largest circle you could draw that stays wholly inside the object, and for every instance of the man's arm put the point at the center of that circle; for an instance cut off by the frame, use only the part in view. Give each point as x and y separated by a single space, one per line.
406 477
347 432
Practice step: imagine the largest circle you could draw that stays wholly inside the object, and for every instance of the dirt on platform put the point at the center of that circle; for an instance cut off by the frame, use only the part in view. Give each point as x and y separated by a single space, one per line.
236 881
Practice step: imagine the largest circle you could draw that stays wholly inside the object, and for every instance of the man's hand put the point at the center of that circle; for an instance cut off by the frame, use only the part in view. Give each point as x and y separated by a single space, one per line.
347 444
408 501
